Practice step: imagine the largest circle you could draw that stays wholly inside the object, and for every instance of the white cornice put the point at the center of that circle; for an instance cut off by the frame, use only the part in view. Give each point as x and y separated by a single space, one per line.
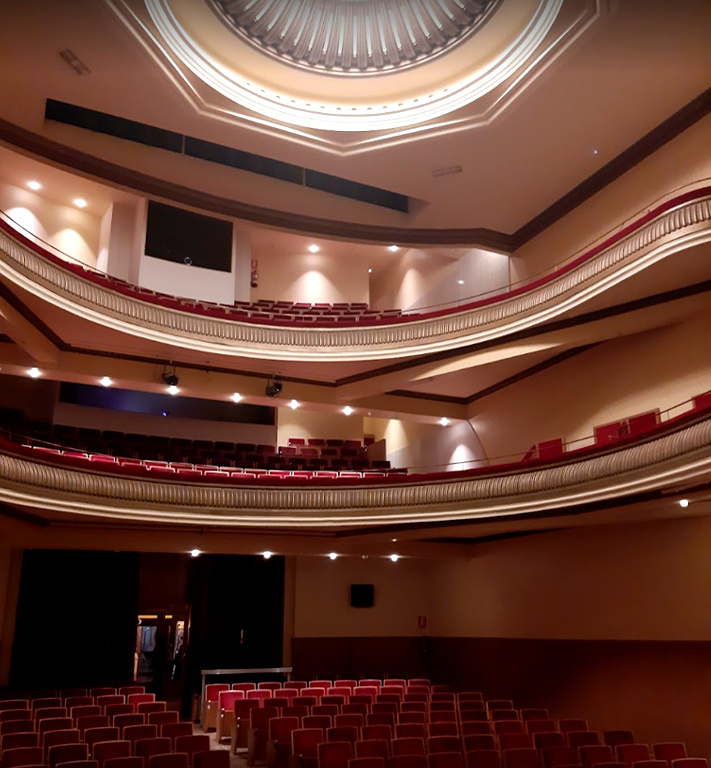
686 225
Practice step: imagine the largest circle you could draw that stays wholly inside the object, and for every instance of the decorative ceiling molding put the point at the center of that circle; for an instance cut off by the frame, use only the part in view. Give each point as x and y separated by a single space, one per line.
345 113
344 37
686 224
680 455
224 77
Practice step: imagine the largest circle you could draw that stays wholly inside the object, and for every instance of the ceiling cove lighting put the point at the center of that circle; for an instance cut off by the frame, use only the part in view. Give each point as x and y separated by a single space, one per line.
348 410
236 397
332 555
394 558
195 553
267 554
683 503
34 373
34 185
106 381
80 202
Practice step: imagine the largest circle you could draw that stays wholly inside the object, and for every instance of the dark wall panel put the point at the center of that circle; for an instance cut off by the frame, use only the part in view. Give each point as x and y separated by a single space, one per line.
331 657
76 618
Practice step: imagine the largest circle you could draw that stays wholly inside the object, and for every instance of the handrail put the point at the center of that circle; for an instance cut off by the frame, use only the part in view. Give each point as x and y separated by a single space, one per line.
614 234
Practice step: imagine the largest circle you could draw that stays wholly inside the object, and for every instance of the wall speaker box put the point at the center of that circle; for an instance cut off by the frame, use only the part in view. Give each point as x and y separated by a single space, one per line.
362 595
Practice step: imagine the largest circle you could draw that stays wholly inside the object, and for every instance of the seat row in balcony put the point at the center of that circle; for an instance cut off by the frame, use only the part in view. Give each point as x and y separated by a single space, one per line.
187 471
323 455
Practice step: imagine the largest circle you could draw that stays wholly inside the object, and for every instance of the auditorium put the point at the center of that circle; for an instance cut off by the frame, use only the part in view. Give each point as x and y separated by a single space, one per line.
358 341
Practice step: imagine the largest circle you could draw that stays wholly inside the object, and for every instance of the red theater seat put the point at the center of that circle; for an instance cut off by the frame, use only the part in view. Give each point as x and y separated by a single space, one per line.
669 751
334 754
108 750
373 748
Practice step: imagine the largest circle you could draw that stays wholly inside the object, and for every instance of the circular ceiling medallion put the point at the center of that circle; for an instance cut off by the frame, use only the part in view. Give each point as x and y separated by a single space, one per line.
355 36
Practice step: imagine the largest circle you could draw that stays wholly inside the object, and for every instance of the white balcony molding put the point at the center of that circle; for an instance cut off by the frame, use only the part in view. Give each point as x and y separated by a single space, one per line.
684 226
680 456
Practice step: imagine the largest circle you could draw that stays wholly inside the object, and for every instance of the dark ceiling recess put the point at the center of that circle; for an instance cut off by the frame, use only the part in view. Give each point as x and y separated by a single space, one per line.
149 135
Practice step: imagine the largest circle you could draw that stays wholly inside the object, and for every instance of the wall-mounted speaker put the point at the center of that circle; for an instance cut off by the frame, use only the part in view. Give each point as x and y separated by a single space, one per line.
362 595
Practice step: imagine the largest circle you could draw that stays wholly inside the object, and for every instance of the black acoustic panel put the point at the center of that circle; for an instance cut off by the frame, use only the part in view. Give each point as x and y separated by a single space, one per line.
352 189
157 404
184 237
76 618
245 161
100 122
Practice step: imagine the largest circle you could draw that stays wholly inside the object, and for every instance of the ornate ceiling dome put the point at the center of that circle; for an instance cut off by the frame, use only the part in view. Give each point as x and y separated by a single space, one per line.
355 36
354 66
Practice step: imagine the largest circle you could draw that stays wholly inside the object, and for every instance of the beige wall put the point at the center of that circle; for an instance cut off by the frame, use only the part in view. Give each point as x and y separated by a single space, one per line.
186 281
72 231
427 446
646 581
304 423
312 277
649 581
685 162
322 596
623 377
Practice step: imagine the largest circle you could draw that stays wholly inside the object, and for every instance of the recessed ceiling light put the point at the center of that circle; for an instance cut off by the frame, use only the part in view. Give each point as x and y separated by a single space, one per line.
444 421
173 390
80 203
684 503
369 271
34 185
267 554
106 381
393 248
195 553
34 373
348 410
394 558
313 248
333 555
293 405
461 282
594 151
236 397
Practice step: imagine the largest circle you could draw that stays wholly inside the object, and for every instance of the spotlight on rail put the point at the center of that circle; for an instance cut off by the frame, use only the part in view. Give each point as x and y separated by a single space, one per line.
273 388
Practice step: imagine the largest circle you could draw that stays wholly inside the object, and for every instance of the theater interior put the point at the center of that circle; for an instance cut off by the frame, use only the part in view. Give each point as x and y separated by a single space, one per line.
297 297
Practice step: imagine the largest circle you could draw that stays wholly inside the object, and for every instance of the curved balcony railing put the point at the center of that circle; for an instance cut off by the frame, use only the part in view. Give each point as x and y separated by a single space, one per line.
680 222
676 452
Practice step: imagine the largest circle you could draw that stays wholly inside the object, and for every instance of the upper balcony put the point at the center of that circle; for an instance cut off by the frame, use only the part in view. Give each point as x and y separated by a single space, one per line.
351 332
